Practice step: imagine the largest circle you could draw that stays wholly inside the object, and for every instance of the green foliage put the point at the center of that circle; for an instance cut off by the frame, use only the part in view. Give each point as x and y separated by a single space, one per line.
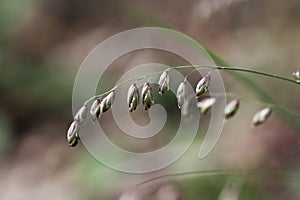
243 79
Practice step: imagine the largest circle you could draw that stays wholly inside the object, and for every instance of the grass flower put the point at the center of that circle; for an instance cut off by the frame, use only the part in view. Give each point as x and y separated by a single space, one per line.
205 104
147 96
72 134
106 103
296 76
231 108
95 109
81 114
133 97
202 85
164 82
261 116
181 94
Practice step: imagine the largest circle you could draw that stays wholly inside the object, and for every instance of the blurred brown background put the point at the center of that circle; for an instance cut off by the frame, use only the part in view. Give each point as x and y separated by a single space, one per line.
42 44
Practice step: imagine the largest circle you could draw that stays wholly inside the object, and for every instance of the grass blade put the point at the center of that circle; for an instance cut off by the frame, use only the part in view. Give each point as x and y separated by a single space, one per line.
247 82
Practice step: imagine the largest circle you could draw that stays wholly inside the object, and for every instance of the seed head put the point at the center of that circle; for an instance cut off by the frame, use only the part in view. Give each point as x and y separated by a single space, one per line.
95 109
261 116
81 114
147 96
133 97
164 82
202 85
181 94
231 108
72 134
296 76
205 104
106 103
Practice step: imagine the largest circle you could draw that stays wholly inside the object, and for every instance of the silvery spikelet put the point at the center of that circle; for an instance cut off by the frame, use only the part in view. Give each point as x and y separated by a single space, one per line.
81 114
181 94
296 76
185 108
106 103
205 104
147 96
133 97
164 82
95 109
72 134
231 108
261 116
202 85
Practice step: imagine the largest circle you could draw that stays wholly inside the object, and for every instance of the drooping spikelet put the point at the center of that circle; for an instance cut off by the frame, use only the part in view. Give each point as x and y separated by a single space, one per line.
181 94
164 82
202 85
147 96
261 116
231 108
133 97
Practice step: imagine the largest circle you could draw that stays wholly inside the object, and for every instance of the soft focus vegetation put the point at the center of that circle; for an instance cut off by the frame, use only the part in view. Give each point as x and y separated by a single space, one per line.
42 46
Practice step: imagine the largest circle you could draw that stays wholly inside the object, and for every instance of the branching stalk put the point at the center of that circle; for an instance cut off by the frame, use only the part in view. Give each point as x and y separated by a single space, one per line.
198 67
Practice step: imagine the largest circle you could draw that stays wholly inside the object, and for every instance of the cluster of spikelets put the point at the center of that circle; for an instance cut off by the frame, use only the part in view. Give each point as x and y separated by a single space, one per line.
100 106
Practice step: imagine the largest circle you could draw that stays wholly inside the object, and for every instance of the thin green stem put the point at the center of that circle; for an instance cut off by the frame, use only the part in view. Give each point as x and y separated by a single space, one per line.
196 66
240 70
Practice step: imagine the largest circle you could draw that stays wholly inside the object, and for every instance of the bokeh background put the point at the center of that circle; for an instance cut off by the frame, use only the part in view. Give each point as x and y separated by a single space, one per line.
42 44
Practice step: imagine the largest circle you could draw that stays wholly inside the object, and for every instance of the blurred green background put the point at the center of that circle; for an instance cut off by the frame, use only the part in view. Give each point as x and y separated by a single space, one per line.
42 44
